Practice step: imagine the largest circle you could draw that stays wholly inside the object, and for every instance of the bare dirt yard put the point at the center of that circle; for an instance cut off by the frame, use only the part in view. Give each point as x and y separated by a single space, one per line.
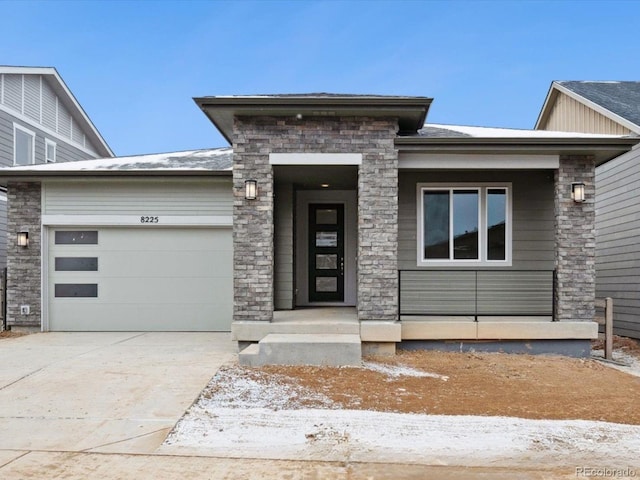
484 384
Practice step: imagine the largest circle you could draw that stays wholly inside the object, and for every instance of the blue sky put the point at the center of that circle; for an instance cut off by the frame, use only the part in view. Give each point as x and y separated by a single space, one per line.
135 66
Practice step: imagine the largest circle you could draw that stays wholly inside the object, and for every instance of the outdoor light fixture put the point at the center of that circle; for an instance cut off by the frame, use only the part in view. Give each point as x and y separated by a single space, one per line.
250 189
23 239
577 192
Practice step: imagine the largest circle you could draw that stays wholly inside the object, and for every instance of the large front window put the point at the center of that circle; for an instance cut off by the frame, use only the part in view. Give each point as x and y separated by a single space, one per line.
464 224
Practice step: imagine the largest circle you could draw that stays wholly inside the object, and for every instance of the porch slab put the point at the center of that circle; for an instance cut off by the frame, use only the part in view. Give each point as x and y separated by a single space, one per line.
537 330
305 349
434 330
329 320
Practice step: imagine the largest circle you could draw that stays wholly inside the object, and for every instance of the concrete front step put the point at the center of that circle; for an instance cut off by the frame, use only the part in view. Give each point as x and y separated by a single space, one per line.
304 349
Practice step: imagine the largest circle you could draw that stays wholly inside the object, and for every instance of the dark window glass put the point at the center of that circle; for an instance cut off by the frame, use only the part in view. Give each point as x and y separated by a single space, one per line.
496 222
465 225
326 239
326 216
436 224
76 264
326 262
84 237
76 290
326 284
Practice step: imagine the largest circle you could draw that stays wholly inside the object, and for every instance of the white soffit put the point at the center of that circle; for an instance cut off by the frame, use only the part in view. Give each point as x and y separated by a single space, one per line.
315 158
484 161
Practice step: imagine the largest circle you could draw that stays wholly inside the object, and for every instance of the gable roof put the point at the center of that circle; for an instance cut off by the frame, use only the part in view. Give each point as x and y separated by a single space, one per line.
63 92
616 100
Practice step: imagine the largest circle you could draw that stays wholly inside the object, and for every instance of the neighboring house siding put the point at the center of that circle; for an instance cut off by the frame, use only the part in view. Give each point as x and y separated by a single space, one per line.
283 247
569 115
618 245
33 98
64 152
533 215
187 197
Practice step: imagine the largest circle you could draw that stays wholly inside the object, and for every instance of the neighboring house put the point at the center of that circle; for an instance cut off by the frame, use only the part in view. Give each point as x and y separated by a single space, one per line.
608 108
337 223
41 122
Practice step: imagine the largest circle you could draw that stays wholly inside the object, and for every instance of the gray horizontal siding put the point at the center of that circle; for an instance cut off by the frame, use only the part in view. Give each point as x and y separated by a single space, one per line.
64 152
283 245
180 197
618 240
533 214
433 292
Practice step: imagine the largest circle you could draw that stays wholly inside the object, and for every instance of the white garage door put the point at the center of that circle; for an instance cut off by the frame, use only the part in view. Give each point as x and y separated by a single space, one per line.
140 279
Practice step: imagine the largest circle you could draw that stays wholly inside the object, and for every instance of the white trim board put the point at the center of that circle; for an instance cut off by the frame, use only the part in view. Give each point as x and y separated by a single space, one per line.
315 159
135 220
477 161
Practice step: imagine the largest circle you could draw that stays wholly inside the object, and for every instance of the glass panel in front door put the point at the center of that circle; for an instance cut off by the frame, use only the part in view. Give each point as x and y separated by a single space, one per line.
326 252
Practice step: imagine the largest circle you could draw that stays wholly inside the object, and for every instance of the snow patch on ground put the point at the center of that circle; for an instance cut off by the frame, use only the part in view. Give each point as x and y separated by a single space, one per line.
395 371
245 413
625 362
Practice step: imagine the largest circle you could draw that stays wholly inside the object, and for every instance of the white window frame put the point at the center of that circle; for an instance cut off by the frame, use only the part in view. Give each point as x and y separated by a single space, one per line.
50 143
32 134
482 261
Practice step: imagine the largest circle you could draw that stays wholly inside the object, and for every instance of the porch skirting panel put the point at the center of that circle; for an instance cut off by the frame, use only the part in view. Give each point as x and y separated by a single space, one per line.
498 330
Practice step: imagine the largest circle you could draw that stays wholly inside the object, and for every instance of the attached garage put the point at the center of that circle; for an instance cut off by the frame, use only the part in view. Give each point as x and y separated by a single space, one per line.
140 279
137 244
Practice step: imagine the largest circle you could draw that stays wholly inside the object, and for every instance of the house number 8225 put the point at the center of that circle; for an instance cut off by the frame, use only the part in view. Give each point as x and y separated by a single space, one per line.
148 219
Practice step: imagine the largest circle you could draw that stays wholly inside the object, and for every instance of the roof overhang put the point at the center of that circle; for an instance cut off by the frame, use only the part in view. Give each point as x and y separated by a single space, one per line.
602 148
411 112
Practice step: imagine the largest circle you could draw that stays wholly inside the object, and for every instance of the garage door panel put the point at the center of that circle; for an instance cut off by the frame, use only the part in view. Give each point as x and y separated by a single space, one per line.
161 279
158 263
162 290
125 317
158 239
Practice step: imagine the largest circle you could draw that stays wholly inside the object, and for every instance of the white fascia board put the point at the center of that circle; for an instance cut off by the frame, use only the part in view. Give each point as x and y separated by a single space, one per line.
315 159
477 161
136 220
598 108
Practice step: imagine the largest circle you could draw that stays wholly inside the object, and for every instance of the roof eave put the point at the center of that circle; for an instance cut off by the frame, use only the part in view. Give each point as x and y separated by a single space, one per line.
602 149
39 175
410 111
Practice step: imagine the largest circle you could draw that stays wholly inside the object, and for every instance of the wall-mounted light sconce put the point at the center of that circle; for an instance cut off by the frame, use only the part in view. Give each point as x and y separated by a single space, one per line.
250 189
577 192
23 239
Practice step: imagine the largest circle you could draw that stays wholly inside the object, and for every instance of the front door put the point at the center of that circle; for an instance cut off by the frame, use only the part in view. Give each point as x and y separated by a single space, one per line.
326 252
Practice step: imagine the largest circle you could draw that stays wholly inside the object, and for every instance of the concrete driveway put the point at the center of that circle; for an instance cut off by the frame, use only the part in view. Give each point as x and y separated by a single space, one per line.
101 392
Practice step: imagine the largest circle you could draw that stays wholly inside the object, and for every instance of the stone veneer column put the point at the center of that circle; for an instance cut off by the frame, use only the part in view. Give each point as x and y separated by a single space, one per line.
254 139
24 264
575 241
378 227
252 226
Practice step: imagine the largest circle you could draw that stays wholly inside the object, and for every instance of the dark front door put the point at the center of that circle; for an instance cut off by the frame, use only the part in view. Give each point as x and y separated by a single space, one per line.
326 252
